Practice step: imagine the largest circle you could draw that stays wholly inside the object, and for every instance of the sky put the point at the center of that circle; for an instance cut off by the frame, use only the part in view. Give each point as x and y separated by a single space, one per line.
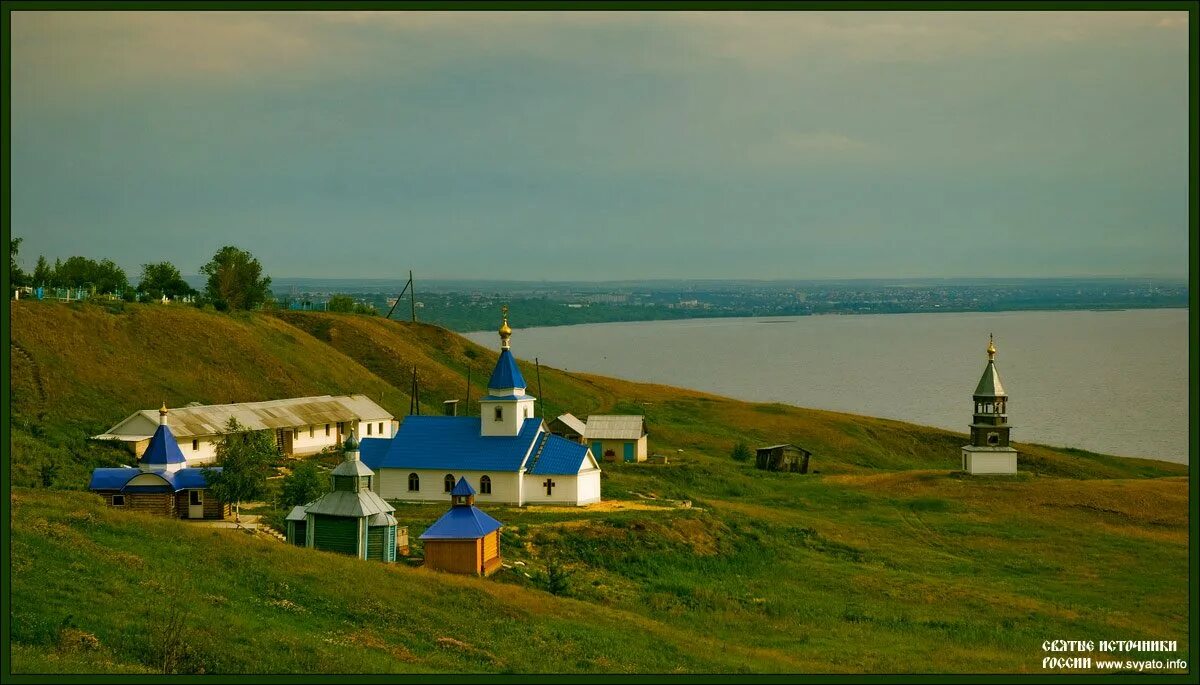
604 146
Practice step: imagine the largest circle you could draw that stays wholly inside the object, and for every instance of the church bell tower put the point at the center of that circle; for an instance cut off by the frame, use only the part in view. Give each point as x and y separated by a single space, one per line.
506 407
990 451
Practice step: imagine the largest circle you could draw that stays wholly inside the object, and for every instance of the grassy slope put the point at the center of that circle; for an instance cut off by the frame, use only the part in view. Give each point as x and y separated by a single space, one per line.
883 562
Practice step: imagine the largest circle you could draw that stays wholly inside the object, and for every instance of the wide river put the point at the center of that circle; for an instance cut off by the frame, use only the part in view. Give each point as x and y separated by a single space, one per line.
1113 382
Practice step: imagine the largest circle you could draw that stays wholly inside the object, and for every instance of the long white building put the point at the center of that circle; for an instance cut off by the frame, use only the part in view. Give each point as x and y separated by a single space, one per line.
302 425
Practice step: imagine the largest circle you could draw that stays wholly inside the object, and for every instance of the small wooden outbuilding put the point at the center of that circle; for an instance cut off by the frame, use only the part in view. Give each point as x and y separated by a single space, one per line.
464 540
791 458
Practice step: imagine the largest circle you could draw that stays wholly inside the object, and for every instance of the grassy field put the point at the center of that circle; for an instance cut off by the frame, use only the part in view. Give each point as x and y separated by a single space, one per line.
885 561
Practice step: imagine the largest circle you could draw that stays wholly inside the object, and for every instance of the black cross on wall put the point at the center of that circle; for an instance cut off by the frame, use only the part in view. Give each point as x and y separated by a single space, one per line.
549 487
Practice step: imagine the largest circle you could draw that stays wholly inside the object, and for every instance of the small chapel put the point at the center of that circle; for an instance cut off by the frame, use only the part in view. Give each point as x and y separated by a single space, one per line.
506 453
990 451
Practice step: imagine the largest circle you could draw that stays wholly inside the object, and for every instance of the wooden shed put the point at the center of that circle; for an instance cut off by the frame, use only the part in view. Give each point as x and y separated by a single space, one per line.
464 540
791 458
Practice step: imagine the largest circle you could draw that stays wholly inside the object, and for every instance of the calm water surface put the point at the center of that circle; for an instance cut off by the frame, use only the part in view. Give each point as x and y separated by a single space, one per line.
1113 382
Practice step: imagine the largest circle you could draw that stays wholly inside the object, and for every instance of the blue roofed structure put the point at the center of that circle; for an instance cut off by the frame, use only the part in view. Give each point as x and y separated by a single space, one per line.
506 374
163 449
558 456
504 454
156 486
451 443
118 478
461 523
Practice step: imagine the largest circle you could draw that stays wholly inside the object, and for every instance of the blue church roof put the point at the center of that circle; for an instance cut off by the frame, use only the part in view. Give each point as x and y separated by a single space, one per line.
559 457
116 479
462 488
450 443
163 448
506 374
461 523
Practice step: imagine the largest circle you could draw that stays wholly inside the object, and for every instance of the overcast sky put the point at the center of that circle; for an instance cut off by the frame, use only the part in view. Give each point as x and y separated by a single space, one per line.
597 146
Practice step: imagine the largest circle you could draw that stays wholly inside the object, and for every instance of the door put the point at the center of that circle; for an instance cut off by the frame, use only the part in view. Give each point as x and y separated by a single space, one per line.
598 450
195 504
629 455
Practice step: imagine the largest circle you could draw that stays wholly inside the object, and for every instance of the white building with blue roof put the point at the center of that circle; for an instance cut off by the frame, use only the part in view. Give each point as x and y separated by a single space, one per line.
506 454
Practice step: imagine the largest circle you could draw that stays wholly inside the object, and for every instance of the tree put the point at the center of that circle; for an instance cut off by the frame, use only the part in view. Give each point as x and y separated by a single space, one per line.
245 459
16 277
103 276
340 303
162 278
741 451
43 275
304 484
235 280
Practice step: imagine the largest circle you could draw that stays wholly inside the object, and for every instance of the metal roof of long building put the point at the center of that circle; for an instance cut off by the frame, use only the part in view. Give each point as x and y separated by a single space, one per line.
615 427
210 419
452 443
461 523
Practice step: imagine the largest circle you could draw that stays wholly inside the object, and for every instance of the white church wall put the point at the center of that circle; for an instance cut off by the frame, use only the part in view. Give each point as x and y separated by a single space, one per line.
393 484
563 492
588 487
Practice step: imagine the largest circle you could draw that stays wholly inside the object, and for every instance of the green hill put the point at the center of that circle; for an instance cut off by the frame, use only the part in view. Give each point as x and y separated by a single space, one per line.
884 561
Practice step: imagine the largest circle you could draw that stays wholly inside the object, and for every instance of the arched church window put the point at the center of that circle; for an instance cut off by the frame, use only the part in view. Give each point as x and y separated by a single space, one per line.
414 482
485 485
993 438
448 481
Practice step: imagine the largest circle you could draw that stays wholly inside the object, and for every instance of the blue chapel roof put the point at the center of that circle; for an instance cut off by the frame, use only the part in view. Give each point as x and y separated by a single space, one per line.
461 523
118 478
559 457
462 488
506 373
451 443
163 448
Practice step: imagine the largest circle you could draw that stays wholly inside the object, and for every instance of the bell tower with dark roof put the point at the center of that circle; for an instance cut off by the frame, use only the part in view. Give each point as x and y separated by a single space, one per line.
990 451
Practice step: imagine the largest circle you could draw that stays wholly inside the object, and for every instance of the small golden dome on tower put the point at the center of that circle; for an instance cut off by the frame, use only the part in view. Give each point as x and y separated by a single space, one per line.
505 331
991 350
163 410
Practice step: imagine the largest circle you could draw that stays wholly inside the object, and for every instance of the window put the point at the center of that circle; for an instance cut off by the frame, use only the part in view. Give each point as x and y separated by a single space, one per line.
196 497
341 427
368 429
448 481
311 431
499 413
195 445
295 433
327 430
993 438
485 485
526 412
414 482
118 500
381 427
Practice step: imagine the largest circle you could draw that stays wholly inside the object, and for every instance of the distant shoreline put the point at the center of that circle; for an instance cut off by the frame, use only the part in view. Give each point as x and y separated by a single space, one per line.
782 318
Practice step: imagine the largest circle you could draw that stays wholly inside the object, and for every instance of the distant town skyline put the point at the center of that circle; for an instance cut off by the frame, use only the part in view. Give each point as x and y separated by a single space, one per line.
601 146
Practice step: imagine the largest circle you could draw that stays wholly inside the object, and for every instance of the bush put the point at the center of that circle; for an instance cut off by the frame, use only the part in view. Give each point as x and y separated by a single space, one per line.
741 451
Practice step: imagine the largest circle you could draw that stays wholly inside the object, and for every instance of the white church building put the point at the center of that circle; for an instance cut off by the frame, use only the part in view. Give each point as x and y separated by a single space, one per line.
506 453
